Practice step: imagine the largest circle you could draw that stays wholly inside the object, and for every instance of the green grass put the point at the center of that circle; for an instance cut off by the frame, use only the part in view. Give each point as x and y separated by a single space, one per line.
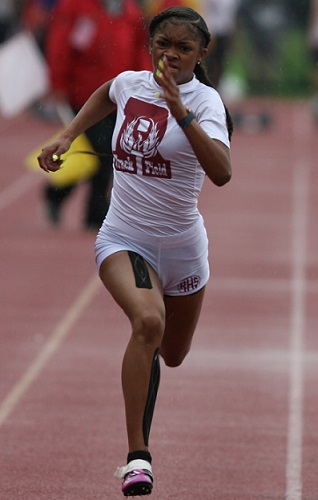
288 74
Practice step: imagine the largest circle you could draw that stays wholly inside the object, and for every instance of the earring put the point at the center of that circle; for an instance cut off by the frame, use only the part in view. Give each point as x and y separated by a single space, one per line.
198 63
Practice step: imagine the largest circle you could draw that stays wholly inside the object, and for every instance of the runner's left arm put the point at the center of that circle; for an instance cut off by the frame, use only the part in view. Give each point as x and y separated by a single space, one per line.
95 109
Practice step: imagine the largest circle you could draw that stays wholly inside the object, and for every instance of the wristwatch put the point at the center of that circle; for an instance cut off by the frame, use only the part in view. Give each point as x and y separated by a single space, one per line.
185 122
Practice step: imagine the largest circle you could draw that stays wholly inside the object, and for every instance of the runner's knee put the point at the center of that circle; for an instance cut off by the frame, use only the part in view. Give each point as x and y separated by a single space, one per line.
148 327
174 359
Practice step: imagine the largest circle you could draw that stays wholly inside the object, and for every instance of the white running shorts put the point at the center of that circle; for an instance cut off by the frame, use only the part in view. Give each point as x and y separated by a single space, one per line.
181 261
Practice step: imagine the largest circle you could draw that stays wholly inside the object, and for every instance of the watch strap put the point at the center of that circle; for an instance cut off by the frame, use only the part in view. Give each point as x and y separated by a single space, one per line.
185 122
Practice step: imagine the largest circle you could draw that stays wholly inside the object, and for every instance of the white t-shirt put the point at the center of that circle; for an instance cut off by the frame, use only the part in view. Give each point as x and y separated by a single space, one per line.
157 177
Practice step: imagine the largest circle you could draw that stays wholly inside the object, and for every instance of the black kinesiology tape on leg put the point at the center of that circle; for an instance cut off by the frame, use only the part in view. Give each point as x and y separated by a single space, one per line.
140 269
152 396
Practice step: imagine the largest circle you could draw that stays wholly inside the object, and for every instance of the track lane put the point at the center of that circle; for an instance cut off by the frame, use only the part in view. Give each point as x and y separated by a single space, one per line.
221 426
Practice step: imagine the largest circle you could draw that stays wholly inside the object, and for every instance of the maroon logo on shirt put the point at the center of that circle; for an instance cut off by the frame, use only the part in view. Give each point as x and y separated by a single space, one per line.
139 137
189 284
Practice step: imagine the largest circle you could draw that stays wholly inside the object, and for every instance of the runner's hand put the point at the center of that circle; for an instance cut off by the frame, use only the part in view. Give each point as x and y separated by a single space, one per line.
50 157
170 90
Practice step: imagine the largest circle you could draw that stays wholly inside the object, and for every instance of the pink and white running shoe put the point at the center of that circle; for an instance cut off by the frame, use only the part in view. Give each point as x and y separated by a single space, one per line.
137 478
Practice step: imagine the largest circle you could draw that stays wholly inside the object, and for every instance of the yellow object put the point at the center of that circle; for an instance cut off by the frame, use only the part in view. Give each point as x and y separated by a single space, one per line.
194 4
152 7
76 167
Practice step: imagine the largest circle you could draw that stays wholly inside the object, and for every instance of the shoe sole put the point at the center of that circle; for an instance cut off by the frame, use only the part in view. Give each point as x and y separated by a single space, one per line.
138 489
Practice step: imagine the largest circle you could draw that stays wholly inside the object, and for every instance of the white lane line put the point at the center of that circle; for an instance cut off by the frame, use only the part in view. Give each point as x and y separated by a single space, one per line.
51 346
299 239
17 188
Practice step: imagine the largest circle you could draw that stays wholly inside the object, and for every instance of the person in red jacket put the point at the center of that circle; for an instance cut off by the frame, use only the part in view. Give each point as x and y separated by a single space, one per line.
89 42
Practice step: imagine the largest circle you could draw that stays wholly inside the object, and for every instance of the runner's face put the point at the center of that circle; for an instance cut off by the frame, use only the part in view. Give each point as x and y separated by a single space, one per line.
182 46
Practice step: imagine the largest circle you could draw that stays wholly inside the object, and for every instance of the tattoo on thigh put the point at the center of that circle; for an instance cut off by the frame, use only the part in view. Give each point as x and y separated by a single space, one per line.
140 269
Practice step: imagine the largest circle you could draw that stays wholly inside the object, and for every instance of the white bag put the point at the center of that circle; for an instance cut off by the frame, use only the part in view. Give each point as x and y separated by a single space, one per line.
23 74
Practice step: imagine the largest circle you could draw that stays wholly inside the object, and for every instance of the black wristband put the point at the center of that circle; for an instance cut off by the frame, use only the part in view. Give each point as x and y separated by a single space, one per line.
185 122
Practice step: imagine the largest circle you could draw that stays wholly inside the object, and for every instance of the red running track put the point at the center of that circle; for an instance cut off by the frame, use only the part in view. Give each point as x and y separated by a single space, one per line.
239 420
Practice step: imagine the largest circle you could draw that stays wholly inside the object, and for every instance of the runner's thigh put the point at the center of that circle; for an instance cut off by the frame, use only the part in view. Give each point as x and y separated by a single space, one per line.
182 315
118 275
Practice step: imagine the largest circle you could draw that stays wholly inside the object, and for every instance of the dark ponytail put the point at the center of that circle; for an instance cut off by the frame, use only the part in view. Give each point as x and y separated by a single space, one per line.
197 22
202 76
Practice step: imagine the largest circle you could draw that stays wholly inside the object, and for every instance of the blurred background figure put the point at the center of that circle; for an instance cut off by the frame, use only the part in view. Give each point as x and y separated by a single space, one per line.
36 17
89 42
221 17
313 45
262 28
266 24
8 18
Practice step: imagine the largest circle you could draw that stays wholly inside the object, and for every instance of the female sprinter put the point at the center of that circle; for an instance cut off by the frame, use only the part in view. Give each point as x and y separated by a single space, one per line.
172 131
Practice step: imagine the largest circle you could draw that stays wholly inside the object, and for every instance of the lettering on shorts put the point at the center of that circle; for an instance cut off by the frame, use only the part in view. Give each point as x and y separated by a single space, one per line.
140 269
189 284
